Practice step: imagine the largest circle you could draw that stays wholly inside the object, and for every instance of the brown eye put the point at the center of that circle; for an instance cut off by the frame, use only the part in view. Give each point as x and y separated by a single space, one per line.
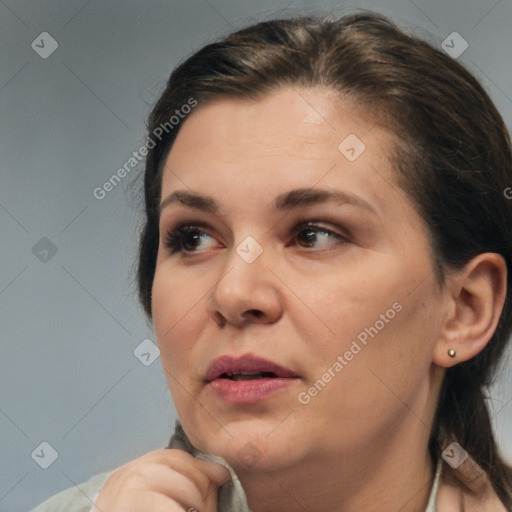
190 241
186 239
308 236
311 235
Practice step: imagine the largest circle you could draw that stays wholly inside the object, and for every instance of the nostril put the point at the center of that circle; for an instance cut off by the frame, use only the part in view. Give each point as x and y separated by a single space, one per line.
218 318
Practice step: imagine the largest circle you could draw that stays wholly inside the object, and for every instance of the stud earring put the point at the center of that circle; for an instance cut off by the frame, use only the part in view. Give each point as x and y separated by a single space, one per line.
451 352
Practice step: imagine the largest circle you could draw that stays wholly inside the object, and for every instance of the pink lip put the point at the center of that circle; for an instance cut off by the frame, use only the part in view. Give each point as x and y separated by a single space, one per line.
247 363
247 391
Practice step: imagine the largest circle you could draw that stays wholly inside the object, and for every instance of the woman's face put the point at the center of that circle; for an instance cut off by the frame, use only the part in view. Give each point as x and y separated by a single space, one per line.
339 290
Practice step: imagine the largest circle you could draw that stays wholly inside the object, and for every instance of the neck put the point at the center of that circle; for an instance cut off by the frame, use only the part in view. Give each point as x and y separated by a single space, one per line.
396 473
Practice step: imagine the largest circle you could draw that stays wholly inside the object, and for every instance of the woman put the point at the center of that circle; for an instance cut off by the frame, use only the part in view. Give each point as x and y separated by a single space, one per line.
324 261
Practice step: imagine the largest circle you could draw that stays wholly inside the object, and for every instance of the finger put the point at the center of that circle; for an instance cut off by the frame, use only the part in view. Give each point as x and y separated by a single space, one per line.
198 490
195 486
217 473
205 475
183 462
171 473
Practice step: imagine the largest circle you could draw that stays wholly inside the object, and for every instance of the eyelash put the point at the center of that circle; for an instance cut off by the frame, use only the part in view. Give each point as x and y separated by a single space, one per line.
174 238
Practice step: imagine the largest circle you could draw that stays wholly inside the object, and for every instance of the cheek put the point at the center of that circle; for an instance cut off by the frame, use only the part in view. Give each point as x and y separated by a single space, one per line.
179 311
397 360
353 305
375 382
384 334
177 320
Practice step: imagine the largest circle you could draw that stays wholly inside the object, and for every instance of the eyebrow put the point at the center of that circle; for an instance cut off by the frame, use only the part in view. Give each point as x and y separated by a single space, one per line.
293 199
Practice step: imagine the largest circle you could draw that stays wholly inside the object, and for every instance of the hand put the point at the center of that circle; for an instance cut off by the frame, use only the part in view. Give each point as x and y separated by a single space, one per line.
166 480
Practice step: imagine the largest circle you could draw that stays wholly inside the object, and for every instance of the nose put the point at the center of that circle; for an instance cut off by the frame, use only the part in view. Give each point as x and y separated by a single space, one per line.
246 293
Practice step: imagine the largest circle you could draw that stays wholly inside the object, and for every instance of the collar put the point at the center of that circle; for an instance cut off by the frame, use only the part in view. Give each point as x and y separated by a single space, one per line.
232 497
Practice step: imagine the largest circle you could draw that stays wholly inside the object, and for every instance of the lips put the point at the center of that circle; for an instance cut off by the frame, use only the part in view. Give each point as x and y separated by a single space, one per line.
248 379
246 367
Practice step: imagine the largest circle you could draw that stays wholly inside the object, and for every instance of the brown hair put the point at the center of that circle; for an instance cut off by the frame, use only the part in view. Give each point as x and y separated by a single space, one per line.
452 155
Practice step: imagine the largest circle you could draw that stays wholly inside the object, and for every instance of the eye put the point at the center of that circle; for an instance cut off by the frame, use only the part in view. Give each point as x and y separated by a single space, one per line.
191 238
188 239
308 234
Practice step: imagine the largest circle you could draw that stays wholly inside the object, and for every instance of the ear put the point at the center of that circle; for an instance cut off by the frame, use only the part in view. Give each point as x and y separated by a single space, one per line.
476 295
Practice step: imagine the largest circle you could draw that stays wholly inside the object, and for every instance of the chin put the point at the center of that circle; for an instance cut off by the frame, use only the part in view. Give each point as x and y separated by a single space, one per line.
251 445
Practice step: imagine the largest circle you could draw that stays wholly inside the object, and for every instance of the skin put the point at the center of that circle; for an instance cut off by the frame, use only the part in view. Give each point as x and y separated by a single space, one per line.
361 442
163 481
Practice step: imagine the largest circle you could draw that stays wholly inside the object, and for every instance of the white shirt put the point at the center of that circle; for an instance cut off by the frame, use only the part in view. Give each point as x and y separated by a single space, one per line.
231 497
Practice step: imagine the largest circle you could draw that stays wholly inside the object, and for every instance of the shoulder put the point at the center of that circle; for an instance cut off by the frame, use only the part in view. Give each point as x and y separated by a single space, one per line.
78 498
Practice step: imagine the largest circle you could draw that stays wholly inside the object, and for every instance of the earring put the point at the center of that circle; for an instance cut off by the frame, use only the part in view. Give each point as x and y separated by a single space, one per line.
451 352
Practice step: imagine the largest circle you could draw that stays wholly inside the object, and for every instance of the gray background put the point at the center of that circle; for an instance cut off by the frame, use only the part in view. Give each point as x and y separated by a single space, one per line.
70 321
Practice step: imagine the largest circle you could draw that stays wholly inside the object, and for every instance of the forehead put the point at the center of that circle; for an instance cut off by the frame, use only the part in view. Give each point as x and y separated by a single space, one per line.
245 154
290 138
302 121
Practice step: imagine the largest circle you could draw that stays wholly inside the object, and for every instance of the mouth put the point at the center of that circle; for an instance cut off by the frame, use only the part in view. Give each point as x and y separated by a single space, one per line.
247 379
248 376
246 367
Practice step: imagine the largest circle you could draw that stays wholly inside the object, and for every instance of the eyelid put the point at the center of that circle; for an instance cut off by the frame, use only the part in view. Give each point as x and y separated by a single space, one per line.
298 226
322 225
338 238
174 236
304 219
